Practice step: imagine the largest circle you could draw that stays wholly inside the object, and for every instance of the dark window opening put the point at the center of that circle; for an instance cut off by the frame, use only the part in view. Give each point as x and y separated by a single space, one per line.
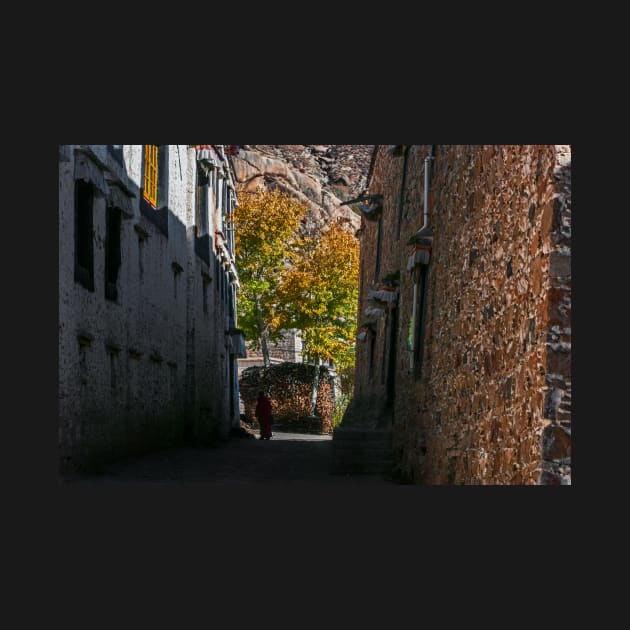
216 190
203 247
163 175
391 367
112 252
202 237
116 151
83 234
418 350
201 203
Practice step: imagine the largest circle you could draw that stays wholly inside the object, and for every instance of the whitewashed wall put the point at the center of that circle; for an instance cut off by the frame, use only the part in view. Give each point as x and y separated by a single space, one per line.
134 373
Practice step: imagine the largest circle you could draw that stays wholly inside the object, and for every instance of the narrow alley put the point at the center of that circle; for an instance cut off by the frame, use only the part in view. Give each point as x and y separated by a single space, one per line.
286 459
400 314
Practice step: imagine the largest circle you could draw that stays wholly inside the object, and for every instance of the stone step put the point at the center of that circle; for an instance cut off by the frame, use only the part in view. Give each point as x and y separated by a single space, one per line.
361 450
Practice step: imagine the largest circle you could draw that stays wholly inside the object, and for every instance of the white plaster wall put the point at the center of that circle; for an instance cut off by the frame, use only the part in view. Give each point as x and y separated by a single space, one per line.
114 403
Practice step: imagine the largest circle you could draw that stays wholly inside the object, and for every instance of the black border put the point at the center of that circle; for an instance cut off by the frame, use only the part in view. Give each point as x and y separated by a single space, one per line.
389 541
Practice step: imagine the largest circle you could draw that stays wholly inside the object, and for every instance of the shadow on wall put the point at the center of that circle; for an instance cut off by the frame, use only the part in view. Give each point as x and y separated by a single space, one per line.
136 421
556 438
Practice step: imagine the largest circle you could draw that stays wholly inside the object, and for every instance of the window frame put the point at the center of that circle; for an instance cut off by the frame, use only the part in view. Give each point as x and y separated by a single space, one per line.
150 174
154 202
84 233
420 323
202 214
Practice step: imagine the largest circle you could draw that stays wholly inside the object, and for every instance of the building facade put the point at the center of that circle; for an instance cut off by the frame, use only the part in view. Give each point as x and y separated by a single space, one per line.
463 362
148 343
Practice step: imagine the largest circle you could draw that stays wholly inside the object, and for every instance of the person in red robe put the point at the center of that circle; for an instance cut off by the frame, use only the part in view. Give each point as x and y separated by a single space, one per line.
263 413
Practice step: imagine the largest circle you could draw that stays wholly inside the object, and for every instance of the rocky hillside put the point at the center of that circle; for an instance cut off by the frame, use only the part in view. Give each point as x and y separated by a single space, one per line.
322 176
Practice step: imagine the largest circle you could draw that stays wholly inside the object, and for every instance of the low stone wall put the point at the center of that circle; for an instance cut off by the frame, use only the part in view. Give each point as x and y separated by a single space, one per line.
288 385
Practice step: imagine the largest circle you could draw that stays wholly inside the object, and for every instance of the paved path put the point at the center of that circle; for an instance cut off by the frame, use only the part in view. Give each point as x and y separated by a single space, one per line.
288 458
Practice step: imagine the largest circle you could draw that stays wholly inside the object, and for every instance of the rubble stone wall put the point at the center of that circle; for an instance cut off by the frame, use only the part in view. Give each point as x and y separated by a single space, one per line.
491 402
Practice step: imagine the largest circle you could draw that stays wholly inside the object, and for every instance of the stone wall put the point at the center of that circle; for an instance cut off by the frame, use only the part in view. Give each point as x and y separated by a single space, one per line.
152 365
289 387
557 413
495 363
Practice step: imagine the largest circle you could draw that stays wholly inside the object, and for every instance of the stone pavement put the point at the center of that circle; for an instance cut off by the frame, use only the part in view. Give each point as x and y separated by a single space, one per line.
288 458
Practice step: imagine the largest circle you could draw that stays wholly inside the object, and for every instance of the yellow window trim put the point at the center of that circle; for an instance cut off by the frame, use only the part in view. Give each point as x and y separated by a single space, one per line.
150 173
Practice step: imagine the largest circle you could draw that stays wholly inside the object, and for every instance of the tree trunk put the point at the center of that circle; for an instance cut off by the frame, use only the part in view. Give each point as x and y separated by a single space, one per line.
265 348
262 333
315 387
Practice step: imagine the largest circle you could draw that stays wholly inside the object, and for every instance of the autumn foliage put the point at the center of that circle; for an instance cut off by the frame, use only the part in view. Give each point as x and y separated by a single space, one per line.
290 281
266 235
319 294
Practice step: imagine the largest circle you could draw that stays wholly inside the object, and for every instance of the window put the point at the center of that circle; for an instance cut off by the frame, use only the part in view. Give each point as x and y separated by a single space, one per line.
155 174
116 151
203 217
217 185
212 176
390 393
83 237
112 252
149 183
418 334
229 219
201 203
219 194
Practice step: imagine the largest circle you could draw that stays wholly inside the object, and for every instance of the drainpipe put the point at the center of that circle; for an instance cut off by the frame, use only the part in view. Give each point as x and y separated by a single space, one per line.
422 234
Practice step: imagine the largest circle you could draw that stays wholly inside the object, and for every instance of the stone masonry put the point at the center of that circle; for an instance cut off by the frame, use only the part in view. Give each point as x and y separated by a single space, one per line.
476 389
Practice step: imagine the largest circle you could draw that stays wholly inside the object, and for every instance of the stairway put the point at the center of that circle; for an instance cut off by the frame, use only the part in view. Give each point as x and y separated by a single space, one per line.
362 450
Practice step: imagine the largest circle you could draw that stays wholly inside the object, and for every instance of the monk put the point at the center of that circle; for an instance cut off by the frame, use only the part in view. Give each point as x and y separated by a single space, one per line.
263 413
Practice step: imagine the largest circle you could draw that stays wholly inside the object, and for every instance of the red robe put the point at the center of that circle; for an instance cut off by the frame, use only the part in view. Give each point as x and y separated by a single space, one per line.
263 413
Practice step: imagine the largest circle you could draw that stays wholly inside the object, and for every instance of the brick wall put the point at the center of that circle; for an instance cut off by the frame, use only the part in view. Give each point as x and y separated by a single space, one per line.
495 370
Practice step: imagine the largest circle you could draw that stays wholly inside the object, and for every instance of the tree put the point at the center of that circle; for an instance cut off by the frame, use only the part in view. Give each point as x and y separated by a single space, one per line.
319 295
265 238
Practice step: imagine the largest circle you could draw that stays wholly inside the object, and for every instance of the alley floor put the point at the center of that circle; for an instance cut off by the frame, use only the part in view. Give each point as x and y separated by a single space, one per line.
288 458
